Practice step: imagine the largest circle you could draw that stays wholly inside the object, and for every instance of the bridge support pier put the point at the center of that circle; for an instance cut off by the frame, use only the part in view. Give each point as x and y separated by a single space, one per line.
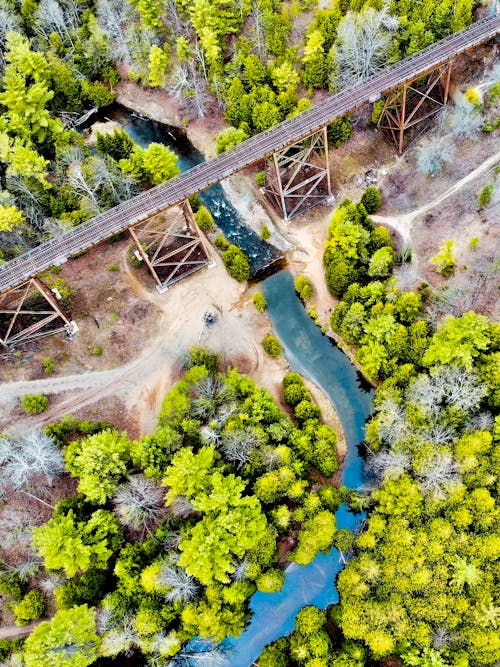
414 104
31 311
299 175
171 245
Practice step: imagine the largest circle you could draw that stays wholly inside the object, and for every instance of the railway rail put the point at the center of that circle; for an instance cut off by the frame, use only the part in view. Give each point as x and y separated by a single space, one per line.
199 178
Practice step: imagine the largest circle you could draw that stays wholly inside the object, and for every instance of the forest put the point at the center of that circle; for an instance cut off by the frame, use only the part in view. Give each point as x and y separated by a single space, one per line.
254 61
423 580
136 547
165 538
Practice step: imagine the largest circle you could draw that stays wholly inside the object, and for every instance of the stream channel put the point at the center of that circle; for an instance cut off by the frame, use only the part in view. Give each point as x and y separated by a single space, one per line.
311 354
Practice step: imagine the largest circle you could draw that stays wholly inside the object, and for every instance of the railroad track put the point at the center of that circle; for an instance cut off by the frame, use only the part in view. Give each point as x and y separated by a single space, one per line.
261 146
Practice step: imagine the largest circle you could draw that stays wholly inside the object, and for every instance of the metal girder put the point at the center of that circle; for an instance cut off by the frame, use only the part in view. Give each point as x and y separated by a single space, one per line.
413 104
299 175
171 245
31 311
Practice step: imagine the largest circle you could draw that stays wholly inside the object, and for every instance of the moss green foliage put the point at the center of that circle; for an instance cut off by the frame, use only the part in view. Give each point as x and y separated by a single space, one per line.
99 462
68 640
260 178
34 403
152 165
272 346
236 263
31 607
371 199
234 474
445 260
117 144
339 131
230 138
312 643
204 219
265 233
75 545
430 546
260 302
485 195
304 288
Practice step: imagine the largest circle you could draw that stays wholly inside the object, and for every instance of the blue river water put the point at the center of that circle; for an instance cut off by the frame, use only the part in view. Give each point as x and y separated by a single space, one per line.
143 131
311 354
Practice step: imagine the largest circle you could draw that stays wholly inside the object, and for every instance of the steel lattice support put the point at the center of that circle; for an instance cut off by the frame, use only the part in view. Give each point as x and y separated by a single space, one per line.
413 104
31 311
171 245
299 175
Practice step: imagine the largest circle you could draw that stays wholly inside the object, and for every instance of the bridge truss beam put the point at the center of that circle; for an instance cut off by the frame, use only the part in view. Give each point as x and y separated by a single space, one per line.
414 104
171 245
299 176
30 311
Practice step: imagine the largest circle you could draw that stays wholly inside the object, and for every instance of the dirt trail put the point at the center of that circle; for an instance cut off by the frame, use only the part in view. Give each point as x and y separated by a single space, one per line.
142 382
15 632
403 223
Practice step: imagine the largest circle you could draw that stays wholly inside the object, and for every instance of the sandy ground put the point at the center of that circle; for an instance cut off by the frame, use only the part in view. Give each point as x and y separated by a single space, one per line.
141 383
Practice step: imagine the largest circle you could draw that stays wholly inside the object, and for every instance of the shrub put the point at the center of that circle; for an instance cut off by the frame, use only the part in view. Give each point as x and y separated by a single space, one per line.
195 202
494 93
291 378
221 243
260 302
371 199
236 263
201 356
271 581
230 138
307 410
265 234
339 131
48 366
31 607
474 242
378 108
303 287
295 393
117 144
86 589
260 178
113 267
32 404
96 350
444 260
485 195
272 346
204 219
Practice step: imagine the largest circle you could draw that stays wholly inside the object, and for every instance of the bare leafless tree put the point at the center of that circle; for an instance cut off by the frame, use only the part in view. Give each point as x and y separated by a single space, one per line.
433 152
438 474
34 456
389 464
176 584
363 42
140 503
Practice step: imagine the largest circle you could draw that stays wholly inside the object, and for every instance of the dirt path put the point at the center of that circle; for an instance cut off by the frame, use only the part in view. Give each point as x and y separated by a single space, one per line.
403 223
142 382
15 632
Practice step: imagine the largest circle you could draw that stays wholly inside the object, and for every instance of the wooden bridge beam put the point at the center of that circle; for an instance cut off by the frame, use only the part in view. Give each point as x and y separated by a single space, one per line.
171 245
414 104
299 175
31 311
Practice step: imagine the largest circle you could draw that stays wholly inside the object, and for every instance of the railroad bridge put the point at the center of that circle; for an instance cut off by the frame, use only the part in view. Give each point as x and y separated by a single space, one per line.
298 176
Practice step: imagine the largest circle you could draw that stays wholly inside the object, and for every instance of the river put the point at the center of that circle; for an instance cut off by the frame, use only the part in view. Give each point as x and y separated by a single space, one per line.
143 131
311 354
